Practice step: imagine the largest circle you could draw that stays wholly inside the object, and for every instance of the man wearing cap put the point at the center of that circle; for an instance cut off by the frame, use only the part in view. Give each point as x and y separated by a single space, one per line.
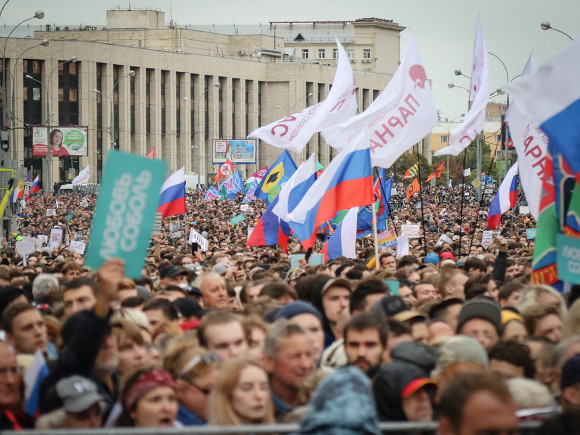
309 319
459 354
172 275
481 319
81 406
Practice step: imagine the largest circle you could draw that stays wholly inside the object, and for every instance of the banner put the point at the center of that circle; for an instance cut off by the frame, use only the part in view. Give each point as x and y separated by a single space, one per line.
387 238
77 246
239 152
125 211
237 219
63 141
410 231
473 123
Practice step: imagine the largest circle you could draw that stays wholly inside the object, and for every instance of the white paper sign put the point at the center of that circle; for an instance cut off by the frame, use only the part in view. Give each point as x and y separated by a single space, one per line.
157 225
55 238
443 239
250 230
84 203
78 246
195 237
42 238
487 239
26 246
244 207
402 246
410 231
174 227
524 209
51 212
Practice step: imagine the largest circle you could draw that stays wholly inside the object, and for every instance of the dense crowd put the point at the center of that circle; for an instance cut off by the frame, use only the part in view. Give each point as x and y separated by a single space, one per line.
451 331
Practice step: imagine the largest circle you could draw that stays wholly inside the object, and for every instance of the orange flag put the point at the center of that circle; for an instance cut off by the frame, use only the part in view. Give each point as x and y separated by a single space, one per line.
437 173
413 188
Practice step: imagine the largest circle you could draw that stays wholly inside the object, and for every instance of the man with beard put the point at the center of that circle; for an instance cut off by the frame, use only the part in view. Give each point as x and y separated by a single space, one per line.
365 342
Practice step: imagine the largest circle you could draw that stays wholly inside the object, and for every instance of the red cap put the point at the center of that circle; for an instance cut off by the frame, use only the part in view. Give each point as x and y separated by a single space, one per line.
415 385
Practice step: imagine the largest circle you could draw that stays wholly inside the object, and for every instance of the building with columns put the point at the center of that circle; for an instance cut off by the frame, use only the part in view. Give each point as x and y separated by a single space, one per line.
176 88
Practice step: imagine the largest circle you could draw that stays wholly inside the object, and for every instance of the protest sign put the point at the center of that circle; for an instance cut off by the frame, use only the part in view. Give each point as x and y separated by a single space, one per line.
42 238
524 209
568 262
51 212
26 246
195 237
411 231
69 217
157 224
125 211
174 227
402 246
443 239
237 219
84 203
487 239
531 233
387 238
314 260
77 246
55 238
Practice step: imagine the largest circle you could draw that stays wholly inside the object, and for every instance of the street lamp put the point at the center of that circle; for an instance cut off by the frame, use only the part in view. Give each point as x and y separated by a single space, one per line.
38 15
546 26
448 137
458 72
451 86
195 159
301 99
43 43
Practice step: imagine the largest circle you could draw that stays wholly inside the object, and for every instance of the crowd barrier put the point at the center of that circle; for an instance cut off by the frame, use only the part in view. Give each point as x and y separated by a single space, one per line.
526 428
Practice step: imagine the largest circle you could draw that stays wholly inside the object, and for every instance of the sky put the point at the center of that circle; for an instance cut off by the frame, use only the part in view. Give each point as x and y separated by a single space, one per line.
444 30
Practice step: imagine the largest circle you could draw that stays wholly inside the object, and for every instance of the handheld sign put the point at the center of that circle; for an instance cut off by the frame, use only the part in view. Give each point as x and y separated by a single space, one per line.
125 211
237 219
487 239
195 237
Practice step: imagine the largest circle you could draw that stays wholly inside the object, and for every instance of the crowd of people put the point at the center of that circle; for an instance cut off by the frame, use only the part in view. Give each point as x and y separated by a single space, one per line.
452 331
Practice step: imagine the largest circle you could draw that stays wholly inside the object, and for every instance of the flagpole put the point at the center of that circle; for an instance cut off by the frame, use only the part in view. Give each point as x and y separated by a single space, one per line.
376 236
462 196
421 199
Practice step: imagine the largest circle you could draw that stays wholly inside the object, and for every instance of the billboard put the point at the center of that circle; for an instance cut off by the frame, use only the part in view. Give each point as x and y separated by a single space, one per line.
237 151
64 141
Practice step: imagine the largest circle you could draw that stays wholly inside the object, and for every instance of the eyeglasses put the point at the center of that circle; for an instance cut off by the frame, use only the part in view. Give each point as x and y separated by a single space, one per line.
16 370
204 391
206 358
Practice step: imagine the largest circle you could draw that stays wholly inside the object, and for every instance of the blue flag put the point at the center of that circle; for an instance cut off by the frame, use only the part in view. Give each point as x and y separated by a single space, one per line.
233 185
383 198
280 172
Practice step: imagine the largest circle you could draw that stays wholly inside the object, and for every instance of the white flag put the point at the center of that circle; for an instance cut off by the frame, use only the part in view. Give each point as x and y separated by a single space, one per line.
402 115
467 172
531 145
473 123
83 176
295 130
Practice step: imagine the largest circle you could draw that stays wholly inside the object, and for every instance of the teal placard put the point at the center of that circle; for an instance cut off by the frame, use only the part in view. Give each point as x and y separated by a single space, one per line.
568 259
69 217
531 233
237 219
125 212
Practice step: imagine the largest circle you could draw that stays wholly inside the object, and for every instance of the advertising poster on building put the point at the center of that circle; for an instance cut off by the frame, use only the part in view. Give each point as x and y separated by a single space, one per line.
63 141
238 152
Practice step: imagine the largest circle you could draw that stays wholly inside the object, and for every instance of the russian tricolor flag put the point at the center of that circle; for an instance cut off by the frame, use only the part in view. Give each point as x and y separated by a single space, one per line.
294 190
505 198
345 184
35 185
270 230
342 243
172 198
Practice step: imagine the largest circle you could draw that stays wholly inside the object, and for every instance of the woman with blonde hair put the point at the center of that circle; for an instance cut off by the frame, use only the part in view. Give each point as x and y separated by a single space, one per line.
241 395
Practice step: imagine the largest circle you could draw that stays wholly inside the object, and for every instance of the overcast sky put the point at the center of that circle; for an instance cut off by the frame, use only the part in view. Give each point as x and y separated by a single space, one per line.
443 29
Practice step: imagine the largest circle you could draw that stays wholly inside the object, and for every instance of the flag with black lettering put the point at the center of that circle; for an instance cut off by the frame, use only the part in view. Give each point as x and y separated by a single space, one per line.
437 173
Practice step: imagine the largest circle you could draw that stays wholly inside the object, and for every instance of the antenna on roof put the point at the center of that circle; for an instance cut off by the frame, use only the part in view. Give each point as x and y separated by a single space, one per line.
170 12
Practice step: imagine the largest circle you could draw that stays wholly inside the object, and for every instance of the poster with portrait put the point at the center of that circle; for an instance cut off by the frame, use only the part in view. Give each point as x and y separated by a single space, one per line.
63 141
239 152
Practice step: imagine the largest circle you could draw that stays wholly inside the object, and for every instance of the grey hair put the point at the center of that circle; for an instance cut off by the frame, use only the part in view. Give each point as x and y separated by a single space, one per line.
43 283
279 330
529 297
528 393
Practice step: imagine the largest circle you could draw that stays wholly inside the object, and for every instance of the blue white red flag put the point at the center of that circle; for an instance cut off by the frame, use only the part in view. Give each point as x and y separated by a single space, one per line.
35 185
505 197
345 184
270 230
211 194
172 198
382 192
251 191
342 243
294 190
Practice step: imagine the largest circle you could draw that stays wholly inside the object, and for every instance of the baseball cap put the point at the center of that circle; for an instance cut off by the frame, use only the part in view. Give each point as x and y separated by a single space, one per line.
460 348
171 270
407 315
388 306
189 307
336 282
570 372
415 385
77 393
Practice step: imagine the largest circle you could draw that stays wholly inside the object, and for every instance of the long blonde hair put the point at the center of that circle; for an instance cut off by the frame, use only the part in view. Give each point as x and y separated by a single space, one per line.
221 411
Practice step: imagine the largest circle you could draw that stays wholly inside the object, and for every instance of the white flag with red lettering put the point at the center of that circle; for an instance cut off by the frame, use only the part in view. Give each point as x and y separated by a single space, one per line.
531 144
473 123
402 115
294 131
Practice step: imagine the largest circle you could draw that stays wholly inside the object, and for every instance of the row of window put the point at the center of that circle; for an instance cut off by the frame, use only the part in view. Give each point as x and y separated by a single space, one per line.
322 53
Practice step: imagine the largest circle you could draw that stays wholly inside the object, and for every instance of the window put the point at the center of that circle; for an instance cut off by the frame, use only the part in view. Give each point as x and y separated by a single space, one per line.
350 53
497 137
366 53
444 138
322 53
335 53
304 53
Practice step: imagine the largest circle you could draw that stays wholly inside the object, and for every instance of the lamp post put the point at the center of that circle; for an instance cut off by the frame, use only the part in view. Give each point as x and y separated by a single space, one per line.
43 43
39 15
114 145
448 135
545 25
